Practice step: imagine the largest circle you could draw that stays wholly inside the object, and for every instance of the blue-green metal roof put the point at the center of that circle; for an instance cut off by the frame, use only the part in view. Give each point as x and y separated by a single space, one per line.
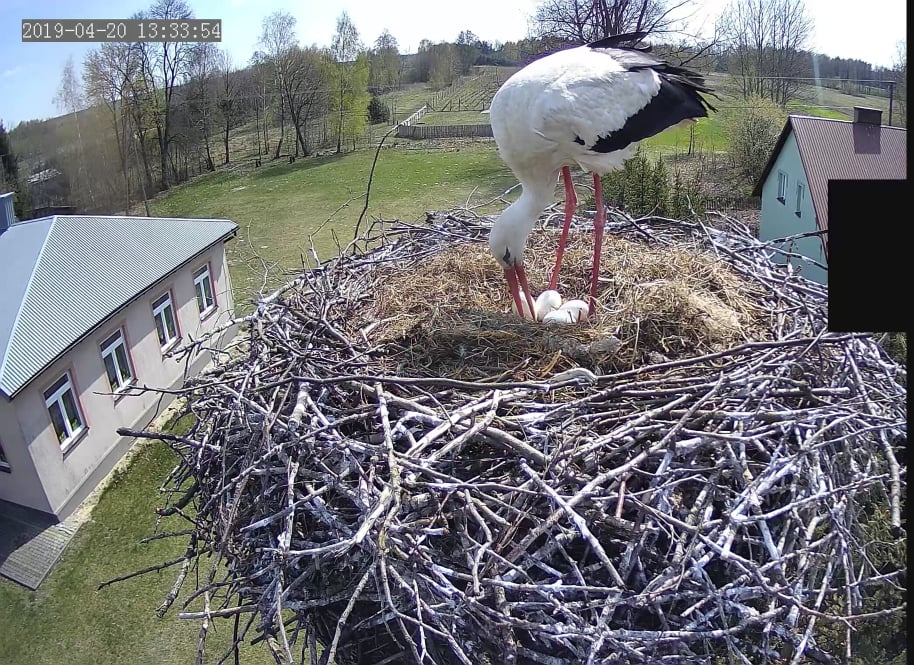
64 275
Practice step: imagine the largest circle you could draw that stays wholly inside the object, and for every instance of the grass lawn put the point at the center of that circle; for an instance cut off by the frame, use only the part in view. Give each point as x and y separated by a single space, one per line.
68 621
277 207
408 99
709 136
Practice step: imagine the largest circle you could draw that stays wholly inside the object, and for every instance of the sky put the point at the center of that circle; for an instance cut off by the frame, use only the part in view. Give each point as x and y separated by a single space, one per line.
30 72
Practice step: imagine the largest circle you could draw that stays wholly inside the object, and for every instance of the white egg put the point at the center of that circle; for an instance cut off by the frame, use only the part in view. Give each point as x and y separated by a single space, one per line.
560 316
546 302
523 298
578 309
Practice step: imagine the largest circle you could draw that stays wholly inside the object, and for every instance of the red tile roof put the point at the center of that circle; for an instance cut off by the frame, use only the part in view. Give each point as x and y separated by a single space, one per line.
841 150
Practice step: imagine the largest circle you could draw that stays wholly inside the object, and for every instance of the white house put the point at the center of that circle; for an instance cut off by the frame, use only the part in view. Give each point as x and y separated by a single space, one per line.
794 185
89 307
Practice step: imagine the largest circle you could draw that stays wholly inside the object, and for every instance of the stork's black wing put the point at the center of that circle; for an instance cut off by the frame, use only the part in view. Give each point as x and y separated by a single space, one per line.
679 97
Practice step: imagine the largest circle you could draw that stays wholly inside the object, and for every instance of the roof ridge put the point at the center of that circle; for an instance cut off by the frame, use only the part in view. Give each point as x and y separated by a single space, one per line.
803 116
133 217
24 299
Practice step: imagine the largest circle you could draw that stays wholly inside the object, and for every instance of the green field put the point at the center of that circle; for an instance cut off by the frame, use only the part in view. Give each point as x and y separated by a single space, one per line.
278 207
68 621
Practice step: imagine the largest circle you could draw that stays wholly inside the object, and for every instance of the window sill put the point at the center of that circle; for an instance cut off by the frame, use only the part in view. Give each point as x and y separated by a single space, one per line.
5 468
798 214
69 444
123 391
782 200
208 312
171 345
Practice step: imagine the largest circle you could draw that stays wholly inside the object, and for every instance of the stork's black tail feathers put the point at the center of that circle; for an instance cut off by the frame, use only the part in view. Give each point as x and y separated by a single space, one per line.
627 40
635 57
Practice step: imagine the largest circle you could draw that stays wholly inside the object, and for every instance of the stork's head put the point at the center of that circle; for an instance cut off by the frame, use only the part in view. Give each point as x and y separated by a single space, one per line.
506 245
508 236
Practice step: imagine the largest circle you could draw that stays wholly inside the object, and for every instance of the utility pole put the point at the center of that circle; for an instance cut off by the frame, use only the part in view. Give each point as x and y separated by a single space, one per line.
891 97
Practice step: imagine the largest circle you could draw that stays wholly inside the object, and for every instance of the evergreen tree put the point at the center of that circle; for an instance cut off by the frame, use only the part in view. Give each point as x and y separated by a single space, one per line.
9 174
9 162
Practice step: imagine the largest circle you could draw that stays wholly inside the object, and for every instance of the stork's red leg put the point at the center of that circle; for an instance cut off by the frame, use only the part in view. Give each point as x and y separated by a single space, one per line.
511 276
522 278
599 222
517 280
571 203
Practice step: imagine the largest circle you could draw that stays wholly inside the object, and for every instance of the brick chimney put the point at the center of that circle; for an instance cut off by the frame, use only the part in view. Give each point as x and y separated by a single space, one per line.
867 116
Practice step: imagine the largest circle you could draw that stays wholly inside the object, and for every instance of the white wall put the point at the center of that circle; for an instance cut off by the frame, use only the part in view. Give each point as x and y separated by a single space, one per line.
779 220
62 472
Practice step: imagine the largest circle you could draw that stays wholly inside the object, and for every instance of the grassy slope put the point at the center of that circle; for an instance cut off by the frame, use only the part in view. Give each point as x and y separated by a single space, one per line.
277 207
67 620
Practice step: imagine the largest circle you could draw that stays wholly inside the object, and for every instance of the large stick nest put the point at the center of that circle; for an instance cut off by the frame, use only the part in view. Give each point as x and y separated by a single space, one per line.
399 470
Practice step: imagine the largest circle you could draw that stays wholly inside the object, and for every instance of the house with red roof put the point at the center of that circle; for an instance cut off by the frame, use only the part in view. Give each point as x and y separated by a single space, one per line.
794 184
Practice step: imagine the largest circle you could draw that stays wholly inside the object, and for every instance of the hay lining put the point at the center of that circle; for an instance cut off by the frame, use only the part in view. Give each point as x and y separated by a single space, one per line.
371 493
442 311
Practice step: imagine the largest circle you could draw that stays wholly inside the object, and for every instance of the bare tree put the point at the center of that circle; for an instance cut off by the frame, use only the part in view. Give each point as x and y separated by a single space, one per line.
583 21
306 91
166 63
228 97
345 48
107 73
70 99
278 40
765 40
202 70
260 94
900 77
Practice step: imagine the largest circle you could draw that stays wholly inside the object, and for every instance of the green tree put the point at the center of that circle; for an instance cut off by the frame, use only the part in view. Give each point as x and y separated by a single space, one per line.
9 174
467 51
353 101
752 130
378 111
385 63
351 81
659 188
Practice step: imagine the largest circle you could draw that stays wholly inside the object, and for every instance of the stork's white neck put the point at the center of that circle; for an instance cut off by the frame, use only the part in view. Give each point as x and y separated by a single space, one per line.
514 225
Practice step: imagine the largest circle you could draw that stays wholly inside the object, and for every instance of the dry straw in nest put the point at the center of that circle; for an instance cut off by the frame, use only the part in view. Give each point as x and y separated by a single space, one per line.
449 313
395 470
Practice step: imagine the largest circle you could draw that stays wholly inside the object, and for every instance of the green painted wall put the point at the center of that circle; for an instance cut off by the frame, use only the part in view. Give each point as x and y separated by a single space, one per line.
779 219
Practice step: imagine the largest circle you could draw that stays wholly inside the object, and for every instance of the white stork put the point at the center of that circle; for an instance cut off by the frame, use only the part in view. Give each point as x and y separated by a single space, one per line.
589 105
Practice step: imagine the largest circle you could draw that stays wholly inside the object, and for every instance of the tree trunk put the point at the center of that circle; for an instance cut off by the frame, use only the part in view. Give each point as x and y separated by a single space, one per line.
163 154
225 138
282 130
339 128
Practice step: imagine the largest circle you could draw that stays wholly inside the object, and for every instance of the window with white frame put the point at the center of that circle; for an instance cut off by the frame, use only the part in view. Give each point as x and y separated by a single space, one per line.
64 410
782 186
164 314
117 362
799 198
203 286
4 463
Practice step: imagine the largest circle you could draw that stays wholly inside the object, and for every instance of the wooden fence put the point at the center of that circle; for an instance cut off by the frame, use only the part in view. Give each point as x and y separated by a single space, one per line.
415 117
733 202
442 131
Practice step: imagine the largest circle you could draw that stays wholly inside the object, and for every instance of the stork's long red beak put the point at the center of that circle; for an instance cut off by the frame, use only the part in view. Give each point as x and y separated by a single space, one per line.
517 279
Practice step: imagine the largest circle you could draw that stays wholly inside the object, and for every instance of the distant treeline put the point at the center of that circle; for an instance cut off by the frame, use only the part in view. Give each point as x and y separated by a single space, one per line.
140 118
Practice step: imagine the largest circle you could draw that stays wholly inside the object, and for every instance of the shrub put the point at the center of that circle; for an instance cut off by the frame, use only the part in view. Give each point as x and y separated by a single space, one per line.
378 111
644 187
752 130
